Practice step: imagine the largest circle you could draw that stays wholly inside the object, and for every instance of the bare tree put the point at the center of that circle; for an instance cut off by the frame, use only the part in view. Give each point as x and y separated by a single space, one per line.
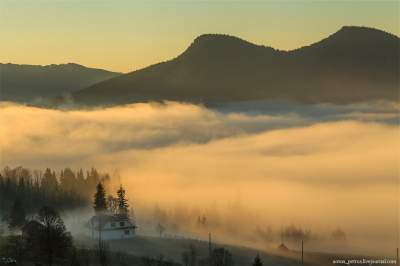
112 204
160 229
52 239
338 234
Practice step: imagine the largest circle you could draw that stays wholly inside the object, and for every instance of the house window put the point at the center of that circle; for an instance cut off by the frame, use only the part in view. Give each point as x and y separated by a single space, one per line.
121 223
112 224
126 232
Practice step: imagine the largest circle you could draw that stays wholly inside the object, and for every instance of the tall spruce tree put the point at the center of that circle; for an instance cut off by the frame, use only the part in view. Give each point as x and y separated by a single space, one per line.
122 202
100 203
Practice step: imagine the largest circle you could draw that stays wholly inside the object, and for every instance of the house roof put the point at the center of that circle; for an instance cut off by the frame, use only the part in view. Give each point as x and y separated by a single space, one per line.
283 247
105 218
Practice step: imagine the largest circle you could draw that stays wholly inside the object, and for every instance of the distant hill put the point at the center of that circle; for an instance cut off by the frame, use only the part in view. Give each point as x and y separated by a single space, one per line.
25 83
353 64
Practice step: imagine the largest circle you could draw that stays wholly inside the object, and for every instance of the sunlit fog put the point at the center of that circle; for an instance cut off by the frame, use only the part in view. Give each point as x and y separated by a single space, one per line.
245 177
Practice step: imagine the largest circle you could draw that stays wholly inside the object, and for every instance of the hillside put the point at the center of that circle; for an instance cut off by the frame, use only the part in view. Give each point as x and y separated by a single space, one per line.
172 248
353 64
25 83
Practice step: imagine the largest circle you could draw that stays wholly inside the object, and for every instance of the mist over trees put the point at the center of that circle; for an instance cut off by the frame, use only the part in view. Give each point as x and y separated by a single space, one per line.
17 216
23 191
338 234
44 237
293 233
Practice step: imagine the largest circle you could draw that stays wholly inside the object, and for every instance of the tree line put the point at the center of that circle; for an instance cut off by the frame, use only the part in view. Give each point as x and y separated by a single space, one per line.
23 191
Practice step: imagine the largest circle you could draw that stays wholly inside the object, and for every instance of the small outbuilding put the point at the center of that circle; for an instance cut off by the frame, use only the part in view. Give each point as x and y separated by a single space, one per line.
283 247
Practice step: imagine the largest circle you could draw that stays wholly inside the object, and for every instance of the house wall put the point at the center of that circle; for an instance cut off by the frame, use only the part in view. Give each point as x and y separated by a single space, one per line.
114 230
114 225
115 234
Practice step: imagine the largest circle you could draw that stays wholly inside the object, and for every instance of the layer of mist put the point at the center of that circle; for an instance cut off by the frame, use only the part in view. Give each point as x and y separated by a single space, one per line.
251 176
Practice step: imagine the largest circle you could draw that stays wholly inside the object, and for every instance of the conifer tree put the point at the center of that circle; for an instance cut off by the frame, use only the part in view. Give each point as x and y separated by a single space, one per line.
100 203
67 179
17 215
257 261
122 201
49 180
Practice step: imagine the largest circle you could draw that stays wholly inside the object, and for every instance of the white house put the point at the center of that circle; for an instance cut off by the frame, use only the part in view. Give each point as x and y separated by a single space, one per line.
111 227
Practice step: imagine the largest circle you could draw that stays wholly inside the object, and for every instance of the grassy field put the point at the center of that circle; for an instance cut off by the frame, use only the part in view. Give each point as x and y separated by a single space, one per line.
147 250
172 249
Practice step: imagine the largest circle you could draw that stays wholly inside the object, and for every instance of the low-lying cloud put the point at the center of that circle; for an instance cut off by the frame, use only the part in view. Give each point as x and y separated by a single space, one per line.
278 168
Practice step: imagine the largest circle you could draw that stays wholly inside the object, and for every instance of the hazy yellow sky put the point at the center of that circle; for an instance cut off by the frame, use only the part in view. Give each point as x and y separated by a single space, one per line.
124 35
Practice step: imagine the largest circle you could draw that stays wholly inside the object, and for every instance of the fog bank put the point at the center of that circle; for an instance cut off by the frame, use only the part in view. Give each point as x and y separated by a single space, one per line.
247 172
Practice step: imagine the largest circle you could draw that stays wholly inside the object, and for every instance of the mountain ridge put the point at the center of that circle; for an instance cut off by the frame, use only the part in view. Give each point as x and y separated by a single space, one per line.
352 64
27 83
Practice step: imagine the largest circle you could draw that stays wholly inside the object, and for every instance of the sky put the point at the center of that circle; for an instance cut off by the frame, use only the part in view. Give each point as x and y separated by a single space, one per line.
124 35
